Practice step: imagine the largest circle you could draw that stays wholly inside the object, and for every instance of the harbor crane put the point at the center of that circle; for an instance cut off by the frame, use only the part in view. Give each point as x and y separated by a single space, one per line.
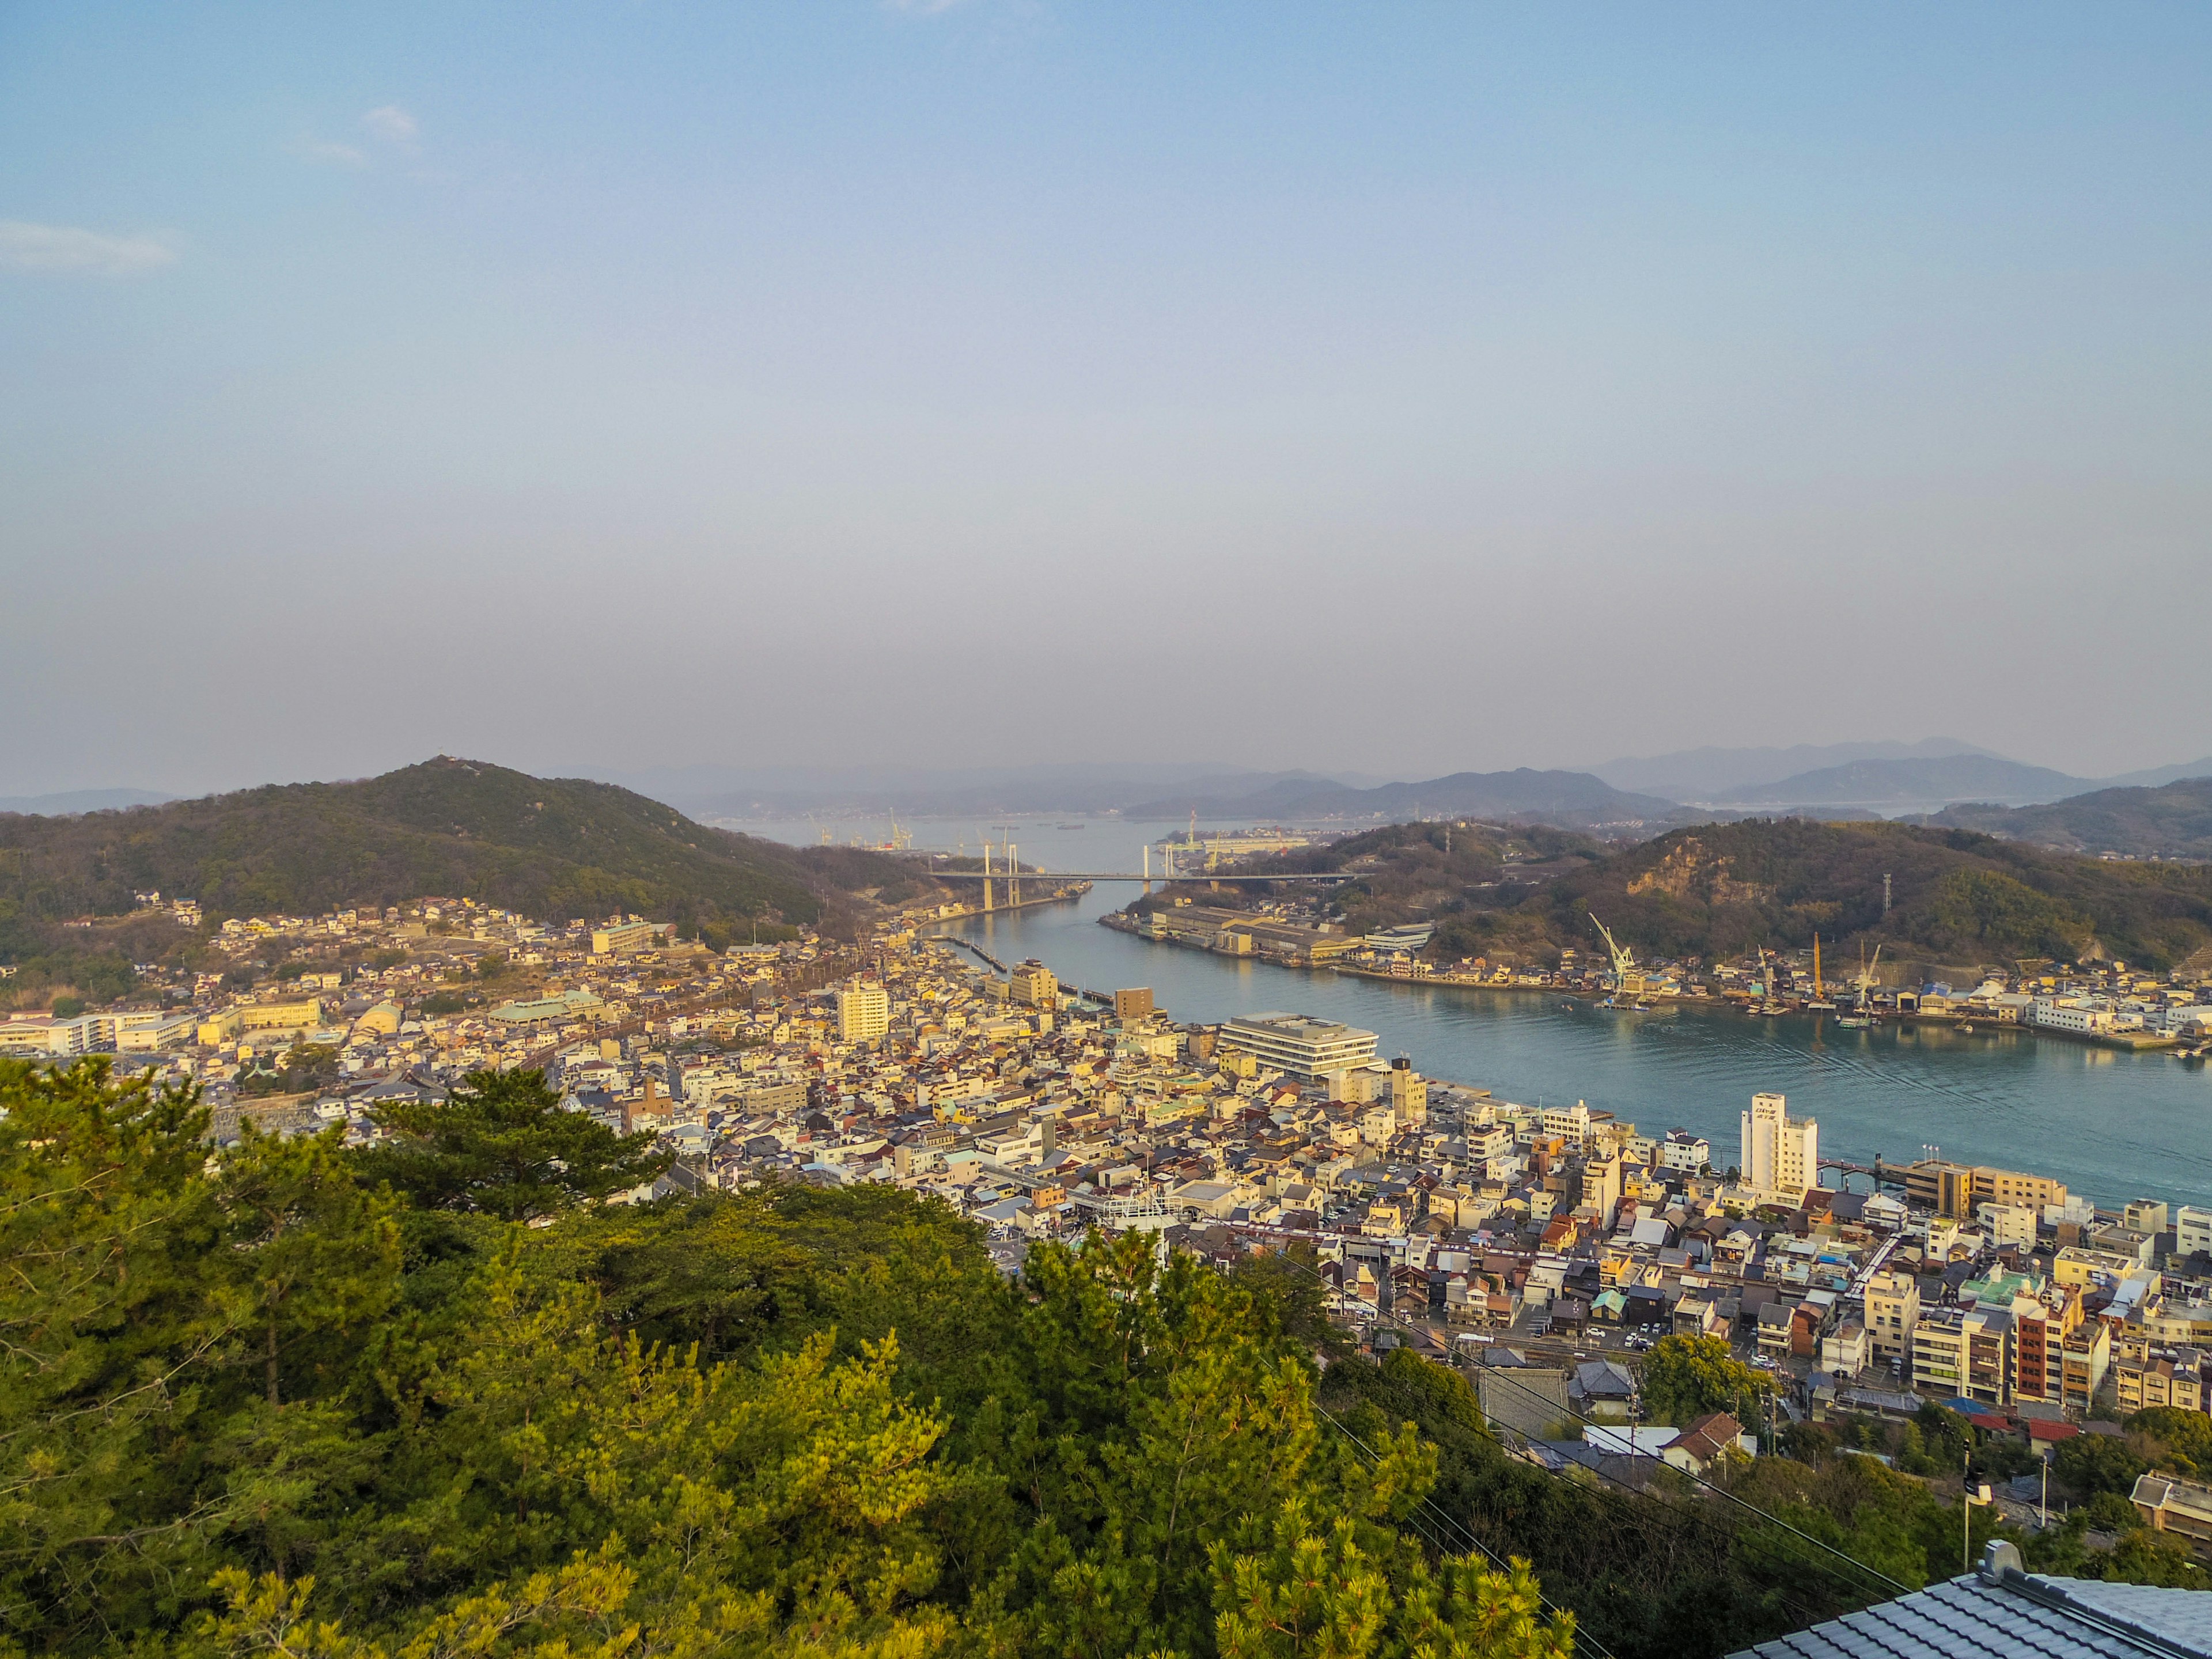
1863 981
1624 976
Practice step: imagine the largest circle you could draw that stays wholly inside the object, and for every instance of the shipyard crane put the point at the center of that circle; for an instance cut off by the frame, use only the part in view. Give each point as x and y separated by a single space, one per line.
1863 982
1624 960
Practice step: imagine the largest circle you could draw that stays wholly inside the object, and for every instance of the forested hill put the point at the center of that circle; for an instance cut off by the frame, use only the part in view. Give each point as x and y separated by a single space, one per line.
1719 888
1955 896
550 848
2174 821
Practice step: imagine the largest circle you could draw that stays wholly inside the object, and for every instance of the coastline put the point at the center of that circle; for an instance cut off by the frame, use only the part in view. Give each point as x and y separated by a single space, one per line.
1658 1002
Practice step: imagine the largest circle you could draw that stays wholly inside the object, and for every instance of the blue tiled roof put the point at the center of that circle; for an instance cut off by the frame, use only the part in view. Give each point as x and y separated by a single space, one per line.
1998 1613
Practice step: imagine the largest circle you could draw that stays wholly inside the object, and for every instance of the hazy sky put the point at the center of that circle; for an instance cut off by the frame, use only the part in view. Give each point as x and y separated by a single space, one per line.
1400 387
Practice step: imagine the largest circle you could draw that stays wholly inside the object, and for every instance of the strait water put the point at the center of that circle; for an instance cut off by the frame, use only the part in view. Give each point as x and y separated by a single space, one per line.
2112 1126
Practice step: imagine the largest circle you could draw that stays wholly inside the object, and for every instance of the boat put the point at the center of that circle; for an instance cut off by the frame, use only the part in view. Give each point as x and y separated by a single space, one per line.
1968 1030
1853 1022
1071 826
1820 1007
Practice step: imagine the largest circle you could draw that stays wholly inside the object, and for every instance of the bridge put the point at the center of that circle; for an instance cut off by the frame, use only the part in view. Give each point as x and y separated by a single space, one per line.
1112 875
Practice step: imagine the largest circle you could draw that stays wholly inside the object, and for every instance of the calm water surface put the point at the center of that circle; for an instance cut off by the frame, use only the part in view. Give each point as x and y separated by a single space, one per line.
2111 1125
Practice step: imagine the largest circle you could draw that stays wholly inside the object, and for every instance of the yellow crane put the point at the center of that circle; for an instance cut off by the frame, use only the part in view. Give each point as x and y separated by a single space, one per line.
1626 979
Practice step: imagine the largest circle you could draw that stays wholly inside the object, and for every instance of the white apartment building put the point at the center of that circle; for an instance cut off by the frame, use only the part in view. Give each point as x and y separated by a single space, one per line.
1781 1153
1299 1044
863 1013
1683 1151
2192 1230
1569 1123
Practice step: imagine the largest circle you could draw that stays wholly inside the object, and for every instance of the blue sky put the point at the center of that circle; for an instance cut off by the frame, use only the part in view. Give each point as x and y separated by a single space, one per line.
1405 388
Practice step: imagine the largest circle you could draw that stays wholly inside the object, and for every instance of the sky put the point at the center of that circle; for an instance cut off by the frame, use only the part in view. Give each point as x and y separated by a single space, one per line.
1405 389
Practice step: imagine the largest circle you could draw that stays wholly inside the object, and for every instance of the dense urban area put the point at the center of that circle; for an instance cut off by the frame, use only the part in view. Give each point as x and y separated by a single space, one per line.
1549 1250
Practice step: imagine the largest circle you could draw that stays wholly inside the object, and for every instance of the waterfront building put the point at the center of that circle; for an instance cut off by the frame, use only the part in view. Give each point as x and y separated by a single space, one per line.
1957 1190
2192 1230
1780 1154
864 1013
1684 1152
1132 1005
1034 985
1299 1044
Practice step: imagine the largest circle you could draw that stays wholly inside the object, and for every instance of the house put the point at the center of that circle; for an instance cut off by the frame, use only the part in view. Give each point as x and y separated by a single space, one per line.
1603 1390
1705 1441
2181 1507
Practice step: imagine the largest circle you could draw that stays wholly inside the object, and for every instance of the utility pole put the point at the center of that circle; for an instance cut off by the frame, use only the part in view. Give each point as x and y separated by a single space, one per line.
1885 897
1966 1512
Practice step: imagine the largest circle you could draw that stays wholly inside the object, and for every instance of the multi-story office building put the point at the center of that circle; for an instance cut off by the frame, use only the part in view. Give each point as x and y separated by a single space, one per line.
1295 1043
1780 1154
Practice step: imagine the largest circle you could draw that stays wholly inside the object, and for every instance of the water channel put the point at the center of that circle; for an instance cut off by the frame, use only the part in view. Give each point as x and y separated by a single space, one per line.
2112 1126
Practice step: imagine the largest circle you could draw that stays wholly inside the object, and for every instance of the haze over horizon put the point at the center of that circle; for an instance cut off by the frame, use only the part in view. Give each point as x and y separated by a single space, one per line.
953 384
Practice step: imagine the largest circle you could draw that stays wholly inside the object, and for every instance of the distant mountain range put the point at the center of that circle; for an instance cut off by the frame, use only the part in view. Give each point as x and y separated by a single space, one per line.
2171 821
1884 777
1569 800
914 792
1710 774
71 801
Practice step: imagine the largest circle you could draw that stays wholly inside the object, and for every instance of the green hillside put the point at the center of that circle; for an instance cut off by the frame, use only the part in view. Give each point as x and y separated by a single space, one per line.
1717 890
551 848
2171 822
1720 889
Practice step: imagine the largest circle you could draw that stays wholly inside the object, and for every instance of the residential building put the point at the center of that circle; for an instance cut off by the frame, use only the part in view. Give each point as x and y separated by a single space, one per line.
1034 985
1781 1154
1685 1151
2085 1358
864 1013
1964 1352
1892 1311
1409 1092
2168 1503
2192 1230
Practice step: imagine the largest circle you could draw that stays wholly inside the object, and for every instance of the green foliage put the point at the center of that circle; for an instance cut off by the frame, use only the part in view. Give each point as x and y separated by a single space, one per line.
2088 1464
1686 1376
68 1007
441 1002
251 1407
500 1144
2182 1440
1718 889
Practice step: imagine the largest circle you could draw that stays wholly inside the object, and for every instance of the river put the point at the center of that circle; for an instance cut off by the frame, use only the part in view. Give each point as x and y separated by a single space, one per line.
2111 1125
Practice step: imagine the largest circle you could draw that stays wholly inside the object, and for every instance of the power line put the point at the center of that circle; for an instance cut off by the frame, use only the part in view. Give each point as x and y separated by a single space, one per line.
1733 1498
1374 1459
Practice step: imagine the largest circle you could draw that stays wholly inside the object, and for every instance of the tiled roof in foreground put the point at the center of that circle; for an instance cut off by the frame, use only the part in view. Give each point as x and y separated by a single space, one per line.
2001 1612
